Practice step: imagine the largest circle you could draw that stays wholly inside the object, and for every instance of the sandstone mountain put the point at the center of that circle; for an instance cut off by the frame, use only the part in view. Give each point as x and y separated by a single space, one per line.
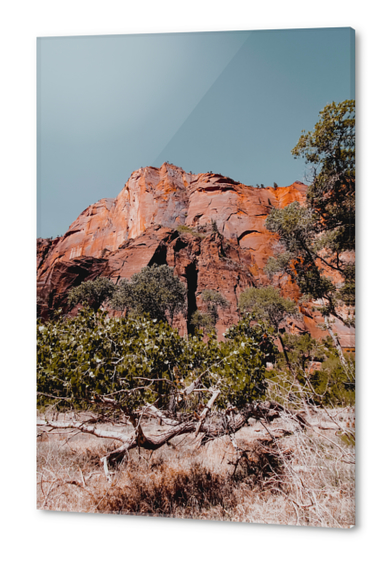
168 216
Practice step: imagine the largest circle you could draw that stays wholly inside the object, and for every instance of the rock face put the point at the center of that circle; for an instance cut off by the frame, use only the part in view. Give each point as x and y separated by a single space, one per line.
167 216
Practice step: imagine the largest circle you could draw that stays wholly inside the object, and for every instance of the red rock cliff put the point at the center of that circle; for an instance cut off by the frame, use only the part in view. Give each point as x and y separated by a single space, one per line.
164 216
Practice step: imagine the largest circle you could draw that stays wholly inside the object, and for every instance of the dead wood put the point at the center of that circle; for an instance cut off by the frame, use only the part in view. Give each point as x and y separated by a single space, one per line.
210 428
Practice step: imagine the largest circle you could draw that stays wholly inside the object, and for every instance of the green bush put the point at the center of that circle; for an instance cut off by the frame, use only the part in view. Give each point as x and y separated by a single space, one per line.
203 321
82 358
207 320
267 304
331 385
183 228
198 232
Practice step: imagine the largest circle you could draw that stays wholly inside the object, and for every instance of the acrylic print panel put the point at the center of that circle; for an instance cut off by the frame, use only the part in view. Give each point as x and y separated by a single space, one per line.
196 275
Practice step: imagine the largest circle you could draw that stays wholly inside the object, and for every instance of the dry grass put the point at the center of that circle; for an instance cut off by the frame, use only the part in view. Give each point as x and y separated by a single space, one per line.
304 479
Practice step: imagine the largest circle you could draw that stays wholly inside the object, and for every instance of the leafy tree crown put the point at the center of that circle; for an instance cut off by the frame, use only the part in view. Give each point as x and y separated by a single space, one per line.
268 305
94 293
318 238
154 290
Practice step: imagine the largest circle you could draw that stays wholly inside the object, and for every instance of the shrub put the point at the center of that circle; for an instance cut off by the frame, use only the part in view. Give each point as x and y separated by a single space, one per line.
330 385
203 321
214 226
214 300
142 361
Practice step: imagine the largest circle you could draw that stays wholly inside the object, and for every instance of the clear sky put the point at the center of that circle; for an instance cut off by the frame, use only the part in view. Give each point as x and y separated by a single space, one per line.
234 103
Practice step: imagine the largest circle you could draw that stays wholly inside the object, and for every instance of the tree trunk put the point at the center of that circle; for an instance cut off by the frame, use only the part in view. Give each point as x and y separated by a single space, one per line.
305 407
337 344
285 353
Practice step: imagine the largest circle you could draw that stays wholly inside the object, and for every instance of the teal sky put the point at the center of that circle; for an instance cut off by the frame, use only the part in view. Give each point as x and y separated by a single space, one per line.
230 102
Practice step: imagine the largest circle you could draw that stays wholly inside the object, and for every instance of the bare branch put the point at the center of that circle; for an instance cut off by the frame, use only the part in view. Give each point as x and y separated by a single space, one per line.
85 429
206 410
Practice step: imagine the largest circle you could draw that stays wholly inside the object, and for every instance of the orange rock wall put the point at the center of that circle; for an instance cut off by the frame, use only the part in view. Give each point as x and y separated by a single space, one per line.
169 197
118 237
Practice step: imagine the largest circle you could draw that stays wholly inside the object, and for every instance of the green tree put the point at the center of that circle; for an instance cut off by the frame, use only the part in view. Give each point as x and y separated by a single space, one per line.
214 300
94 293
330 151
203 321
318 238
266 304
329 385
154 290
208 320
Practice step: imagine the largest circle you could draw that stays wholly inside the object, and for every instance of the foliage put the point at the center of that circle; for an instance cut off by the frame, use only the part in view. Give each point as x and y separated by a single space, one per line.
185 228
330 149
318 237
203 321
154 290
94 293
268 305
260 332
207 320
182 228
332 384
297 228
329 385
199 231
214 300
302 349
139 361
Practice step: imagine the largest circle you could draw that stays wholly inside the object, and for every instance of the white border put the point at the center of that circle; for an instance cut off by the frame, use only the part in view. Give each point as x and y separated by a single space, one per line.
79 537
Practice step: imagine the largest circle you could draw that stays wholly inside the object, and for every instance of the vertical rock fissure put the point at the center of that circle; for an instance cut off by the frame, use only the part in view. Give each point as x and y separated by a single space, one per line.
191 274
235 290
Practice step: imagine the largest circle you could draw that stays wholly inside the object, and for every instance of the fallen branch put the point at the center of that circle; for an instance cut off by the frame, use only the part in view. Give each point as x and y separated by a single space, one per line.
211 429
84 429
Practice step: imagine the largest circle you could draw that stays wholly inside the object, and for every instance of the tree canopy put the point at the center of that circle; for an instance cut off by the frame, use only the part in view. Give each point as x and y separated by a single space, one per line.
208 320
330 151
154 290
267 304
318 238
93 292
